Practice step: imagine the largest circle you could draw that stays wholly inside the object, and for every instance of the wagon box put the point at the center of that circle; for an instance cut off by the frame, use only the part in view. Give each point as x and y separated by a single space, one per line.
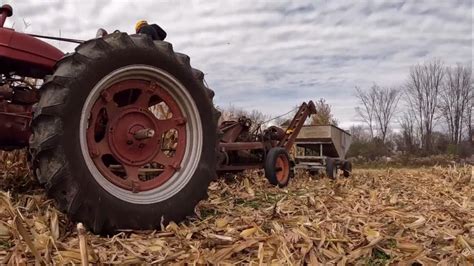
323 147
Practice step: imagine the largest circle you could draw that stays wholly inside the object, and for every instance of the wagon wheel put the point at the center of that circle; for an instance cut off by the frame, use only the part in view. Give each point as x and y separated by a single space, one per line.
331 168
347 168
125 134
278 167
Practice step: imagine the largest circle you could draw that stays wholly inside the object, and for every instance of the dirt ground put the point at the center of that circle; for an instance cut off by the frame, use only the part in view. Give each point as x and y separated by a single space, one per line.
377 217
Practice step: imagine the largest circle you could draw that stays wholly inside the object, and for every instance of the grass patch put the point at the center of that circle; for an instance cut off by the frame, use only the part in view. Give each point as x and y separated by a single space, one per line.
378 258
206 213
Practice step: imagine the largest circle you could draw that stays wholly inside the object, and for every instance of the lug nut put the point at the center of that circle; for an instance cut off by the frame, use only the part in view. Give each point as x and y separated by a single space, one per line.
180 121
106 96
94 152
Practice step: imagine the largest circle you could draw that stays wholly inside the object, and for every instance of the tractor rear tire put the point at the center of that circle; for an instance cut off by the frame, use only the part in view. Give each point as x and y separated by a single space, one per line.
278 167
71 138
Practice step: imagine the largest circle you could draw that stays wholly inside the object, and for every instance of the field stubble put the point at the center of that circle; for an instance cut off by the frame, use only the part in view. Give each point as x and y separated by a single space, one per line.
423 215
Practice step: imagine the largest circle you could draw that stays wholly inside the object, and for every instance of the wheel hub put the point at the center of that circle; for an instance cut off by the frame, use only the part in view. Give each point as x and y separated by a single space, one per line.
128 138
133 147
282 168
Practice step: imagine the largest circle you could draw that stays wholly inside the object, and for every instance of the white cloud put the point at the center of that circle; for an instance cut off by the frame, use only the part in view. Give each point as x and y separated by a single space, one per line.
271 55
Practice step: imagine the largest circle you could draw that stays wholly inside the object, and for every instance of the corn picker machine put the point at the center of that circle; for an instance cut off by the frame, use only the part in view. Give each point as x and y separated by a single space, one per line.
123 132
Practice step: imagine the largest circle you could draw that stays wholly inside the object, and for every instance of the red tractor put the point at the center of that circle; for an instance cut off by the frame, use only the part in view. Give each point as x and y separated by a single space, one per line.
123 132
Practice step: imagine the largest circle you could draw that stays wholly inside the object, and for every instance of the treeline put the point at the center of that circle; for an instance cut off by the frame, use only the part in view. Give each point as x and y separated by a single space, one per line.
431 113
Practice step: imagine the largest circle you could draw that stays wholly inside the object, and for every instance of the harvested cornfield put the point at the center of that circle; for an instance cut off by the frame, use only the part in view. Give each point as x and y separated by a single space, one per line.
377 217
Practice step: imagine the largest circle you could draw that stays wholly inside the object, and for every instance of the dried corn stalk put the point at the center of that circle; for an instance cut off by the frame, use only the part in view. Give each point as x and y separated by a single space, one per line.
377 216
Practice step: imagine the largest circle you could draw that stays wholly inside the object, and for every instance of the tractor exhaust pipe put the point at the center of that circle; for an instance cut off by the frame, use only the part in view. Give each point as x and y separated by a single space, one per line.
5 12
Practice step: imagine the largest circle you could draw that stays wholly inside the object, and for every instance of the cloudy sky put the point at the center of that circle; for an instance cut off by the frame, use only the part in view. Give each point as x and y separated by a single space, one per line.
272 55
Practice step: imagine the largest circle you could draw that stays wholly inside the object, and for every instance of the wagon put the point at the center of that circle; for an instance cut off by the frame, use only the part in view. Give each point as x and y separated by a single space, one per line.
323 148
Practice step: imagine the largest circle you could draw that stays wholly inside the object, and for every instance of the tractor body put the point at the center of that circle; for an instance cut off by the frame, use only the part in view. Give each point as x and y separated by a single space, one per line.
26 55
21 56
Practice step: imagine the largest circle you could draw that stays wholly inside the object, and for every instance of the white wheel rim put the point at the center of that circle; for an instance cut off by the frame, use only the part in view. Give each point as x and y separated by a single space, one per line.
194 134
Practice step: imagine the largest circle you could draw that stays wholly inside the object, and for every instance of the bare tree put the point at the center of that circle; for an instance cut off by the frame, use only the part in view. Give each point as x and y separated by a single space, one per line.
408 132
469 114
379 105
386 101
422 90
359 133
324 115
232 113
455 98
366 112
258 118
